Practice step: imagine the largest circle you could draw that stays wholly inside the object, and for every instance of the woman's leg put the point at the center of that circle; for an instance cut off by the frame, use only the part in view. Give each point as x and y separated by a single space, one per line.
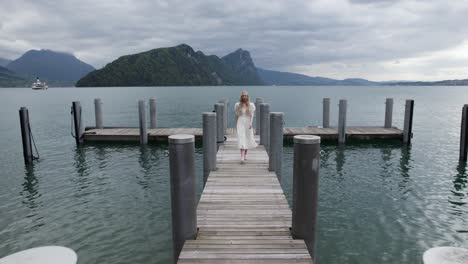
242 154
245 154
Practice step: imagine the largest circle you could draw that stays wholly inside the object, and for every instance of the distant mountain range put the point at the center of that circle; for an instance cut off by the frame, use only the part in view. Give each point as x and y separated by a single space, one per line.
56 68
175 66
172 66
10 79
286 78
4 62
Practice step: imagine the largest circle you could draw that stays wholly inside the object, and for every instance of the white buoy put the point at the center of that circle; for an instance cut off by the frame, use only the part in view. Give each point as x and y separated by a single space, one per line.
42 255
446 255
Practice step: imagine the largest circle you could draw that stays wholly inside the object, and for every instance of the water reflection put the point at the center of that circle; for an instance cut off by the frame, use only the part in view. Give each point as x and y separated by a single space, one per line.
146 162
30 191
82 167
405 158
340 159
459 194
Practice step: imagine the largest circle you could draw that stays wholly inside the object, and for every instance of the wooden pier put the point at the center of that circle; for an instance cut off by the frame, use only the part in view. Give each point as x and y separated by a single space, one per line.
243 215
161 134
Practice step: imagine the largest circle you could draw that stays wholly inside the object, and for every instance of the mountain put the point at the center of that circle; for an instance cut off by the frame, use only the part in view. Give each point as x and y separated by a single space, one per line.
463 82
11 79
4 62
55 67
287 78
175 66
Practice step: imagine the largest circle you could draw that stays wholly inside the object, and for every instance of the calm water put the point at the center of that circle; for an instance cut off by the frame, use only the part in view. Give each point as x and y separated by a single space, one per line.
379 202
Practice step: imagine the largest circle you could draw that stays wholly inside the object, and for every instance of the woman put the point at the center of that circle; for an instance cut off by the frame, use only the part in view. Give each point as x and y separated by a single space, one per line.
244 116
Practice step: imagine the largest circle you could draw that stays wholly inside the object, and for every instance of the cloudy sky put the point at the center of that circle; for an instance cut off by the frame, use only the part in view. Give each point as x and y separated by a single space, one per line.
376 40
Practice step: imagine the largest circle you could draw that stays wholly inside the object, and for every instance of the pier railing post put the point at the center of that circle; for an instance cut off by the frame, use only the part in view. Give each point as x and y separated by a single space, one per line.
464 133
78 122
305 189
225 101
326 113
26 135
408 122
264 125
388 112
342 121
143 125
258 101
98 113
152 106
183 190
209 144
276 143
219 109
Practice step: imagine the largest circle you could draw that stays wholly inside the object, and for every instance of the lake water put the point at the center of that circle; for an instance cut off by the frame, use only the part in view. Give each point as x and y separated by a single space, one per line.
379 202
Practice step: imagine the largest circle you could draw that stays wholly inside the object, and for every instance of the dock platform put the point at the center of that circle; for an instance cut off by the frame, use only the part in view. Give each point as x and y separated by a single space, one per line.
161 134
243 215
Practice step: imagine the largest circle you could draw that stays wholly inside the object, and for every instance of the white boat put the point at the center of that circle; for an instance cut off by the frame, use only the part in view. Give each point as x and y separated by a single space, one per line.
38 85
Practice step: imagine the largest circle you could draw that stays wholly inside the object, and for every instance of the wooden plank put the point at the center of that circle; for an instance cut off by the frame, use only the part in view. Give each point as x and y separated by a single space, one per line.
243 215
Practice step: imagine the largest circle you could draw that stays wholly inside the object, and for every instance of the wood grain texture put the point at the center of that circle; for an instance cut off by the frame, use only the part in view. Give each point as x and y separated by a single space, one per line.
161 134
243 215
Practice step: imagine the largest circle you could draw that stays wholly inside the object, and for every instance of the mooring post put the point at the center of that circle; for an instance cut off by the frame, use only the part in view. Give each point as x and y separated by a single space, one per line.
142 118
225 101
78 122
258 101
26 135
276 143
209 144
98 113
342 121
408 122
305 189
183 190
464 133
219 109
264 125
152 106
326 113
388 112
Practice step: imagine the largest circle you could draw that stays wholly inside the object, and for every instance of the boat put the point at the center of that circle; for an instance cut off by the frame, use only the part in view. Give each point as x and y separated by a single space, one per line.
38 85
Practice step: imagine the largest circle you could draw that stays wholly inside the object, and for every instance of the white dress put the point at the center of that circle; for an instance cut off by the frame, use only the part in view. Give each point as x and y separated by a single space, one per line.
245 136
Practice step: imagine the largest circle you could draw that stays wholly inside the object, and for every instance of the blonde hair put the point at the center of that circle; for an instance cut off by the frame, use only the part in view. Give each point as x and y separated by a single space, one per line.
245 102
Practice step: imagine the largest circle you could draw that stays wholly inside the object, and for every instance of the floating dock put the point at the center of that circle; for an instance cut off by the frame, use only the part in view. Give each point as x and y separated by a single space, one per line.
161 134
243 215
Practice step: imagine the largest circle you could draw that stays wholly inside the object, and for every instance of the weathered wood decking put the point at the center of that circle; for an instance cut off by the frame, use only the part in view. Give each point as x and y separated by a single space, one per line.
243 215
161 134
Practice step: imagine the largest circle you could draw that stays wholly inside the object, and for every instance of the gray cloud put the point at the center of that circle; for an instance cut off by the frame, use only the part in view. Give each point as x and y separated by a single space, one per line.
334 38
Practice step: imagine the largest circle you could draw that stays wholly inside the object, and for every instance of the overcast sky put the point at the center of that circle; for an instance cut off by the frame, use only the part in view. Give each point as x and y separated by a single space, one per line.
376 40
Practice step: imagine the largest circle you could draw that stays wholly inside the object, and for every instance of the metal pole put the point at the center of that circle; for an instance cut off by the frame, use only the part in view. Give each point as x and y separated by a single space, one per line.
152 106
264 125
219 109
258 101
305 189
388 112
276 143
408 122
142 118
326 113
342 121
78 122
183 190
26 135
98 113
464 133
209 144
225 101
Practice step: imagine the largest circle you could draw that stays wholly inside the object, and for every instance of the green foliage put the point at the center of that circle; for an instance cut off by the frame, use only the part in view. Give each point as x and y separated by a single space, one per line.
174 66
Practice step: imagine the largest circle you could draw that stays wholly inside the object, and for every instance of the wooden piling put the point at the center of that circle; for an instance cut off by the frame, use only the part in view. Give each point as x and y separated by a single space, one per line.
464 134
408 122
